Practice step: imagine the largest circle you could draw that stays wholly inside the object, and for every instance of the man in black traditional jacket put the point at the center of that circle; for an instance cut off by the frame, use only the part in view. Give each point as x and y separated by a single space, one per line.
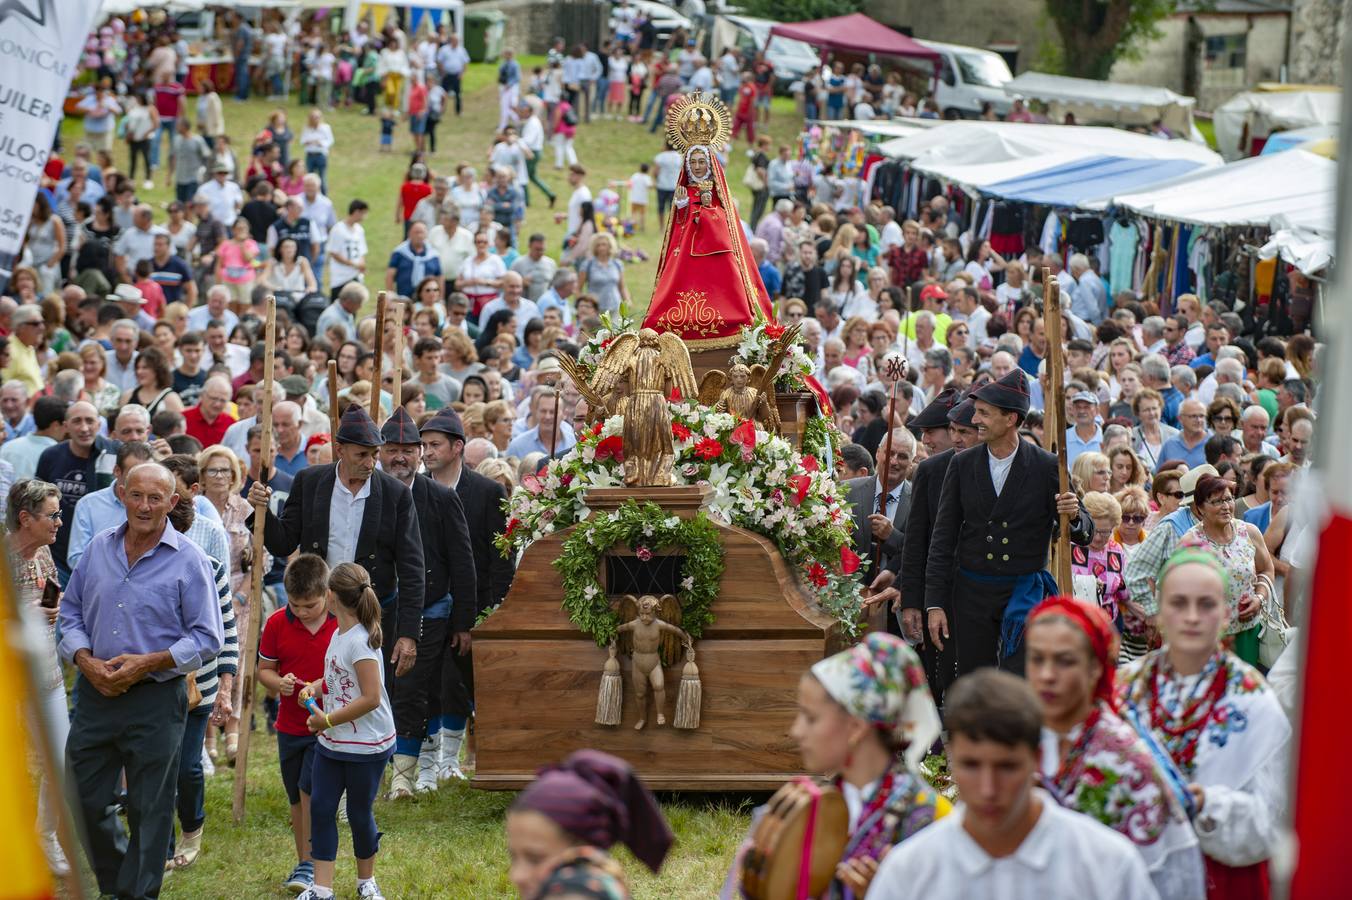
996 517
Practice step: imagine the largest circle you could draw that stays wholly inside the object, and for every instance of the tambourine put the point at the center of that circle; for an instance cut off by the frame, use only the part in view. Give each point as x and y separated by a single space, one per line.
797 844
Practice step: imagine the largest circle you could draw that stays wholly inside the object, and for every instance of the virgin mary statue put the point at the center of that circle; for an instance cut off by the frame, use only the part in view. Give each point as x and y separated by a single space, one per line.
707 286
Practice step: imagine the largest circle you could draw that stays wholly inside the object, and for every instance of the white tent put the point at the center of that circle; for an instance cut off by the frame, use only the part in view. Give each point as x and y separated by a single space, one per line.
1258 114
890 128
1308 252
1105 101
1293 190
974 154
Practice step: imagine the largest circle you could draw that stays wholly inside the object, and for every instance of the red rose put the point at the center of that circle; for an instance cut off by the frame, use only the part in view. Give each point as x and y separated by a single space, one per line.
675 395
800 485
817 574
611 448
596 429
643 553
708 448
679 431
810 464
512 526
849 560
566 479
774 331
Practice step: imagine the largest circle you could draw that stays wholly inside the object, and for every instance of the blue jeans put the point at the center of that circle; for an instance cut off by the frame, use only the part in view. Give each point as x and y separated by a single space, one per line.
242 78
318 164
166 129
192 784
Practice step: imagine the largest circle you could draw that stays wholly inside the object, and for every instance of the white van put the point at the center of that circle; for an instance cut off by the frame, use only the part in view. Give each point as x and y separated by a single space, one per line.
970 77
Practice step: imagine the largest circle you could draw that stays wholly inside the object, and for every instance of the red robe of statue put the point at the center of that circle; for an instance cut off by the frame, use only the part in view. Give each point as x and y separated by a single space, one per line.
707 284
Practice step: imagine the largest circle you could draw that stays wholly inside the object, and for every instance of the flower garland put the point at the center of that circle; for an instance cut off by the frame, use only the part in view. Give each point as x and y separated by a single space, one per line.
644 527
759 483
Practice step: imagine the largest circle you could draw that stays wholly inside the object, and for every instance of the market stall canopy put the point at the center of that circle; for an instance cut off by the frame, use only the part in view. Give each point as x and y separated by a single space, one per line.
1085 179
1106 101
1255 114
380 10
1304 138
1308 252
855 33
1294 190
976 154
889 128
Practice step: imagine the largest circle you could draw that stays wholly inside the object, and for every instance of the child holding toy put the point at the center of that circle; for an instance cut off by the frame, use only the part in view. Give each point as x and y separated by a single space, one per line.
356 733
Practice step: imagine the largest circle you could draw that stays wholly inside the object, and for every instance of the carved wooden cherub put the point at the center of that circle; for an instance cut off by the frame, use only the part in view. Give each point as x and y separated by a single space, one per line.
651 641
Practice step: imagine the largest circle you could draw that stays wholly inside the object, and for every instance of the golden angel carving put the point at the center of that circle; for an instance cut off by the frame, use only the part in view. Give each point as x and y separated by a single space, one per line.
635 379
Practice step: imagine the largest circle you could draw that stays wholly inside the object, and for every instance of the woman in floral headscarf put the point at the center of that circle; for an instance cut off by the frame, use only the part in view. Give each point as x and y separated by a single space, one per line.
1218 720
1095 763
866 718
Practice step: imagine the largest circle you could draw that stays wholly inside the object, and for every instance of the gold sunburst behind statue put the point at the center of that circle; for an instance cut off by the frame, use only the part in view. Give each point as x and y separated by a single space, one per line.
698 119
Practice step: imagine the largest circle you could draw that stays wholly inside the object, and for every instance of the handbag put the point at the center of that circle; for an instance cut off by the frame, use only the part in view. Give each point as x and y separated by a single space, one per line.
753 179
194 692
1274 631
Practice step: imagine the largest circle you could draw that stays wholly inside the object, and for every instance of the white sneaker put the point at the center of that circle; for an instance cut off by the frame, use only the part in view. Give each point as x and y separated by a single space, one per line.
369 891
208 767
56 857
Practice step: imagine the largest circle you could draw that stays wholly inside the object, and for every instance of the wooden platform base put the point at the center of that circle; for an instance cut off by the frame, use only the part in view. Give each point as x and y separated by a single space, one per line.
537 678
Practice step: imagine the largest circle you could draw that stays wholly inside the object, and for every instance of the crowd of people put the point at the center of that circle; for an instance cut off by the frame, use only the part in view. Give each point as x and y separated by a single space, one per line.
131 390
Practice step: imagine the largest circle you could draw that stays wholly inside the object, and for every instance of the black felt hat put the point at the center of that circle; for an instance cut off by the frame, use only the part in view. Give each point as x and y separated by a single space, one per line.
962 414
1010 392
935 414
447 421
399 428
356 427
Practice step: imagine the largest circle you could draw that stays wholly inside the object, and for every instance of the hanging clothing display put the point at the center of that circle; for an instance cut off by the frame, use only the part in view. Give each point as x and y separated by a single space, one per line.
1123 240
1006 232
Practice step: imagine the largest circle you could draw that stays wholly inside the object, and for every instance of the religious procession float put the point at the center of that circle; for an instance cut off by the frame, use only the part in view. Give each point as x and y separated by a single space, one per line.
691 555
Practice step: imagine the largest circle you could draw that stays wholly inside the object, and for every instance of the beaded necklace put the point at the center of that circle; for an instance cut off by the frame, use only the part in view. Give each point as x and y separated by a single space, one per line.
1183 732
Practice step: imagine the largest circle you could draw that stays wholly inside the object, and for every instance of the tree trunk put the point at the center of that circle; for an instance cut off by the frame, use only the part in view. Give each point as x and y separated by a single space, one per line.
1091 34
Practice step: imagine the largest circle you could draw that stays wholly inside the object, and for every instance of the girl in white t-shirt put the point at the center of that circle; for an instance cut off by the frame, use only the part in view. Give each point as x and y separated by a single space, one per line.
356 732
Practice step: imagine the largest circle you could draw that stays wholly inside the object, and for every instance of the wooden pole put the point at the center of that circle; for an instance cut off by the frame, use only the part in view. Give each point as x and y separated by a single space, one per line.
249 652
554 434
906 325
877 619
398 392
1056 434
333 400
377 375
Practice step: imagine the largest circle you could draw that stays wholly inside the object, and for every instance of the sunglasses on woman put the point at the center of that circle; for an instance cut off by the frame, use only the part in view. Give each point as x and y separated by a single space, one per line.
1132 519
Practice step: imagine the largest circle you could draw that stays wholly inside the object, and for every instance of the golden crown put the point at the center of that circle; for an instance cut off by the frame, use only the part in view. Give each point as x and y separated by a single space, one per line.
697 119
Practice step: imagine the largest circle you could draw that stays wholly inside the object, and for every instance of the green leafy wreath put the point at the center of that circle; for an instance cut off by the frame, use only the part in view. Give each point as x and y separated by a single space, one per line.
643 527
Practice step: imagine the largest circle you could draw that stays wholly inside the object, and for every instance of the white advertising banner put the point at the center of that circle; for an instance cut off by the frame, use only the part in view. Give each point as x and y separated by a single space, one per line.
40 44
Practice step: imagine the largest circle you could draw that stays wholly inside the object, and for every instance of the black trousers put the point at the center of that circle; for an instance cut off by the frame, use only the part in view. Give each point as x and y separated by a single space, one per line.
451 85
410 694
453 694
140 733
978 611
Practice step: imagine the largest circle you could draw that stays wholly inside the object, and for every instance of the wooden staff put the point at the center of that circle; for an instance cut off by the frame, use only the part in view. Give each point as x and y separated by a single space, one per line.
878 622
333 400
376 376
249 651
554 434
398 391
1053 425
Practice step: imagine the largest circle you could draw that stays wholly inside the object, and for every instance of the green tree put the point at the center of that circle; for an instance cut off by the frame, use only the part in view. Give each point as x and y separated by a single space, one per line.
1097 33
798 10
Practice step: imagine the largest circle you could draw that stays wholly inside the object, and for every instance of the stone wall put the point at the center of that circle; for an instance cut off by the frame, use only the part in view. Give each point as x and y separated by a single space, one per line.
1317 30
994 24
531 24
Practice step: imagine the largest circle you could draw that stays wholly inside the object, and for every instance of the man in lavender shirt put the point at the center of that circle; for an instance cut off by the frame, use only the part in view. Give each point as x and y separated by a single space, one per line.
140 612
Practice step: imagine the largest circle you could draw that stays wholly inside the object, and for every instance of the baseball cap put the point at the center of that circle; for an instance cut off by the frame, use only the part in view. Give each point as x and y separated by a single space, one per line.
933 292
1083 397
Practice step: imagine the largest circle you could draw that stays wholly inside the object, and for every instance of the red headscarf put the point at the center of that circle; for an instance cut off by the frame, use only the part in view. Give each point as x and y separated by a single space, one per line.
1097 626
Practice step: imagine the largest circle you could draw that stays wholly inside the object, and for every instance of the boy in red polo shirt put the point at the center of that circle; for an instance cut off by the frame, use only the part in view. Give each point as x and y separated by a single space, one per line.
291 655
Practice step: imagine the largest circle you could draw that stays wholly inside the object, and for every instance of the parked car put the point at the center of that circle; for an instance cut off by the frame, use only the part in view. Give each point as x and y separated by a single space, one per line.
969 78
665 19
792 59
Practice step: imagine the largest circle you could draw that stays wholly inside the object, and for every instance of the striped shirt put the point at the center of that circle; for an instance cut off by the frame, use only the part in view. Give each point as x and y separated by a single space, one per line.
211 538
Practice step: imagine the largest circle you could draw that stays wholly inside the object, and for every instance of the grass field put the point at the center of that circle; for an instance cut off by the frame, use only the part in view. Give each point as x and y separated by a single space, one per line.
448 844
611 150
451 844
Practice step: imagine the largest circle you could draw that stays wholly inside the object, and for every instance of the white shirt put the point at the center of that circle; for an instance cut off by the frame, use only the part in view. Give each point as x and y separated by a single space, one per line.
348 241
223 200
1067 856
317 140
1000 468
372 733
451 249
525 311
580 196
345 512
890 236
639 185
668 164
533 134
